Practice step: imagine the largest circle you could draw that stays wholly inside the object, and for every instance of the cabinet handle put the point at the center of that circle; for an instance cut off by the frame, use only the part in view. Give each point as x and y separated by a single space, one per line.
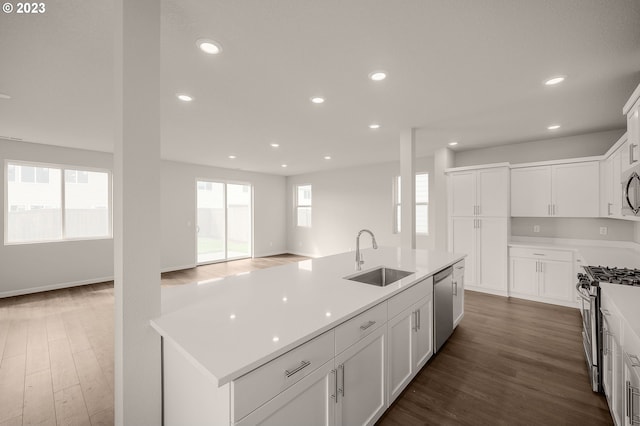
414 314
459 267
419 320
539 254
478 211
553 209
341 388
455 287
303 364
548 209
635 362
334 373
478 223
631 148
367 325
632 392
609 209
605 312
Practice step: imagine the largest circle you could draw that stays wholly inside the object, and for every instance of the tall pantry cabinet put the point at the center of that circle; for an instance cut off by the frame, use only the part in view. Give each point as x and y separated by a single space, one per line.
478 203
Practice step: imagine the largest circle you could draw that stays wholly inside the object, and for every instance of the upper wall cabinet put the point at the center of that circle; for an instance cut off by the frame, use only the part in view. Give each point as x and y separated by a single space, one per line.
480 192
630 154
610 185
558 190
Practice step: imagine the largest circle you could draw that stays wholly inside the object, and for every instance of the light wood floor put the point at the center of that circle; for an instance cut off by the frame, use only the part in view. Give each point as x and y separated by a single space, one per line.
510 362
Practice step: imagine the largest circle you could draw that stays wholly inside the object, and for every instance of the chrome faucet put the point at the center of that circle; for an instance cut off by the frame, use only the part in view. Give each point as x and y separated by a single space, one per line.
359 259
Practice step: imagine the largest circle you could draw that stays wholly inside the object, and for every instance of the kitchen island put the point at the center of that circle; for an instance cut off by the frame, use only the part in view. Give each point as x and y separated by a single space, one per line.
224 340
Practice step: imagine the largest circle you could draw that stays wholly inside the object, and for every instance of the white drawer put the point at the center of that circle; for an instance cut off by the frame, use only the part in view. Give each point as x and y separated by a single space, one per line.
458 270
356 328
542 254
250 391
402 301
611 315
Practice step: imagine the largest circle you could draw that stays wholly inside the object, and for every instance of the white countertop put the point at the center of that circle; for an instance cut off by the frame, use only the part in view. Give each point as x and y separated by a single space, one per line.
229 327
627 300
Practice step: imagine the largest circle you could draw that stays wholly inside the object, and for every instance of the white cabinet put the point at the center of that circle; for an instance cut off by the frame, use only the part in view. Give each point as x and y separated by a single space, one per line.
631 389
361 381
458 292
559 190
541 274
611 187
484 241
612 359
480 192
631 149
410 333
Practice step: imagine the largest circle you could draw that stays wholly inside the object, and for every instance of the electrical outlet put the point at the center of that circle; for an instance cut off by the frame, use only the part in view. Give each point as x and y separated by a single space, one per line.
536 228
603 230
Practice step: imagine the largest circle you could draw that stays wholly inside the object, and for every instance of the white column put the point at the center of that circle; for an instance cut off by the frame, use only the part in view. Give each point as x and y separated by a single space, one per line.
408 190
136 202
442 159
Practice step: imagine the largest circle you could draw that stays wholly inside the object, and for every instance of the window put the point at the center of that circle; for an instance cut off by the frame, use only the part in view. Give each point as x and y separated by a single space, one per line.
42 206
422 204
303 205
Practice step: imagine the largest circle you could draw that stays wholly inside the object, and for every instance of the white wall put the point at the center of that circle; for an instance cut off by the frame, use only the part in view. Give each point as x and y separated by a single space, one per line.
347 200
548 149
25 268
179 210
42 266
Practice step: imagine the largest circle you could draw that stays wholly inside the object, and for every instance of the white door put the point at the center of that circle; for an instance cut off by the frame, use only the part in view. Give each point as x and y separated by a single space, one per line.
556 279
531 191
576 189
463 240
423 346
463 193
362 381
523 276
308 402
492 189
400 336
492 253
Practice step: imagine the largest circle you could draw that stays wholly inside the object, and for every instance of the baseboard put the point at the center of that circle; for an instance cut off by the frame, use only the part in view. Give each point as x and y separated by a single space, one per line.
40 289
567 304
275 253
299 253
486 290
177 268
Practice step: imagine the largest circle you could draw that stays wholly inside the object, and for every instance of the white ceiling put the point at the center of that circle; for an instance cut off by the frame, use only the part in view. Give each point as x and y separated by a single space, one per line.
463 70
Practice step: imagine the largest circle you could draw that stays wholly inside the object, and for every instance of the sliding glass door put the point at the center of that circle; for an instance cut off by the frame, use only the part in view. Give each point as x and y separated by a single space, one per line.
224 229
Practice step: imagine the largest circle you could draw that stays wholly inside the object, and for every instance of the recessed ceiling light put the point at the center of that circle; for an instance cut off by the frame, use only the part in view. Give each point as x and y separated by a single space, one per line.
317 100
327 157
454 143
184 98
4 96
554 127
374 126
275 145
275 338
209 46
284 165
232 157
555 80
378 75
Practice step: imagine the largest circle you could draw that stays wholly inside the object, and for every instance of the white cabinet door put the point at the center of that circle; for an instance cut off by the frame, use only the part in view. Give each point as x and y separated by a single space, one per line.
630 150
611 196
492 253
311 401
401 336
458 292
361 378
556 279
523 276
576 189
423 347
531 191
463 193
492 189
631 389
463 240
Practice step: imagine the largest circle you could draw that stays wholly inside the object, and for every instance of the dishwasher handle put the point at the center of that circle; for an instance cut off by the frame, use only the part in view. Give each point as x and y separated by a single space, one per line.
442 275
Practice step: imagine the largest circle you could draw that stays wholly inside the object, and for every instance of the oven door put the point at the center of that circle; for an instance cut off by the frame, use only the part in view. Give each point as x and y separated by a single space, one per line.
589 310
631 192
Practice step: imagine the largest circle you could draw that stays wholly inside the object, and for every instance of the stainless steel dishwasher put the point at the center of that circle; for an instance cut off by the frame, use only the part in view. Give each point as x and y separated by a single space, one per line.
442 307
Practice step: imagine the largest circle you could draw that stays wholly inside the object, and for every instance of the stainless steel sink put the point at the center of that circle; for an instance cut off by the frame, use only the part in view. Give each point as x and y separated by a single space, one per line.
380 276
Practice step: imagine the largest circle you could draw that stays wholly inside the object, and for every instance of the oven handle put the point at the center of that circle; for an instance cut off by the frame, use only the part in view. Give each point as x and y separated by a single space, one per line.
581 294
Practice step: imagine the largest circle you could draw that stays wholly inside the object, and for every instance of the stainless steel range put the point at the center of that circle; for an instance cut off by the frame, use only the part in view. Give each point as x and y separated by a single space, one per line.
589 291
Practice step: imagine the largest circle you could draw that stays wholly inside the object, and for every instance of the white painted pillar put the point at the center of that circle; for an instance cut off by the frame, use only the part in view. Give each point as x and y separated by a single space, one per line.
442 159
136 226
408 189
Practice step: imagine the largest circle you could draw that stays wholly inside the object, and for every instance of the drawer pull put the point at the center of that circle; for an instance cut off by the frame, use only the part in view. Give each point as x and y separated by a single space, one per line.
459 267
605 312
538 254
635 362
367 325
302 365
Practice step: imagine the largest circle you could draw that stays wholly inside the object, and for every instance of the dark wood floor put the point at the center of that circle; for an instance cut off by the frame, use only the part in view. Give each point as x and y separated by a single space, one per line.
509 362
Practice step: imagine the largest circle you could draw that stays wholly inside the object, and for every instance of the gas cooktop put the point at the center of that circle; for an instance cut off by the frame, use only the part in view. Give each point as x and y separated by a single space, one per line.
603 274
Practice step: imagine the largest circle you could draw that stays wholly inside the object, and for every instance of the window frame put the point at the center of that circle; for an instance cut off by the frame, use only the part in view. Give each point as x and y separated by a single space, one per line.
63 168
397 203
298 206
